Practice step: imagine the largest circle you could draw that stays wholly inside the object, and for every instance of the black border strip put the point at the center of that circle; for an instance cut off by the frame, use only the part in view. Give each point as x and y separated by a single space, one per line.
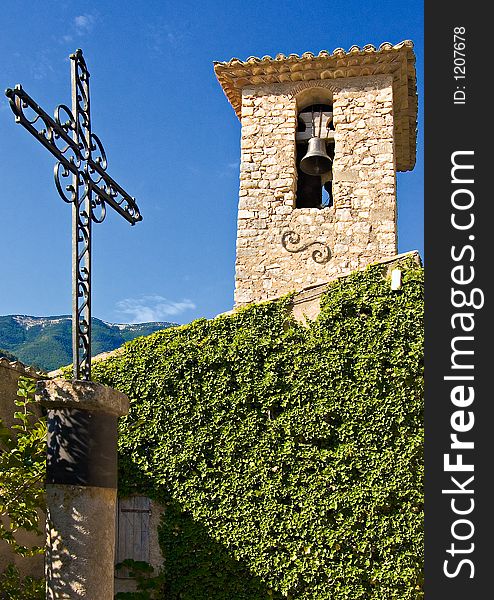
458 222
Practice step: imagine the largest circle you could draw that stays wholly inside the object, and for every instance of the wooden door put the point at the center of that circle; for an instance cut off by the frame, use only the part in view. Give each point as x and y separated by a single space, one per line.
132 531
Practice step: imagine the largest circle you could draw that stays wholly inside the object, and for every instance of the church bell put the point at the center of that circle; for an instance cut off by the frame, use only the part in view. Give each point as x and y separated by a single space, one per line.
316 161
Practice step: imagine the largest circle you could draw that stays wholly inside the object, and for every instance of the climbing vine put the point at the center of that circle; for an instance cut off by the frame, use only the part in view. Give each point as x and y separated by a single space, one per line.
22 496
289 458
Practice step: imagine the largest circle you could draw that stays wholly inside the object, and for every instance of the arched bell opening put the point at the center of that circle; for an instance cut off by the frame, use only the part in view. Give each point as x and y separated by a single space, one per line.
314 156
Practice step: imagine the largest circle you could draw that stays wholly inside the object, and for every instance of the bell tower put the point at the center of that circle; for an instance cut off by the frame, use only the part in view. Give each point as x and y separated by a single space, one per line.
322 139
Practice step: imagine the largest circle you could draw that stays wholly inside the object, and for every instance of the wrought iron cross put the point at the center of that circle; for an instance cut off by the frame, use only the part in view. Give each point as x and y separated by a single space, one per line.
87 186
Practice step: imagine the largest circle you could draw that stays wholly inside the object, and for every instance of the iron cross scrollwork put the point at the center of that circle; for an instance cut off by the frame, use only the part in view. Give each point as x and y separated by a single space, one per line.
81 180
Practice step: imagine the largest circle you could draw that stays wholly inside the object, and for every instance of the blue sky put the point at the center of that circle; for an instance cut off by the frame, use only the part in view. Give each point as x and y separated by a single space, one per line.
171 138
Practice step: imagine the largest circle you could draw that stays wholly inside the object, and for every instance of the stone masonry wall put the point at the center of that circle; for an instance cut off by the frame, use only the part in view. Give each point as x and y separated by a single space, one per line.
281 248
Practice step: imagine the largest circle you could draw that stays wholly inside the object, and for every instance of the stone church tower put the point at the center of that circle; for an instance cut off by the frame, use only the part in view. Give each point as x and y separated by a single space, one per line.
298 229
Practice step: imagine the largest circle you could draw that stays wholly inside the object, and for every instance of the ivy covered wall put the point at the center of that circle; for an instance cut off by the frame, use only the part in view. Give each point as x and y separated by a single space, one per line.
289 458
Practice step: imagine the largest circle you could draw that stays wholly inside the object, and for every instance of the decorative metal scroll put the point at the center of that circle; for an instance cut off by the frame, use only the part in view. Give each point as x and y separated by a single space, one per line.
81 180
292 238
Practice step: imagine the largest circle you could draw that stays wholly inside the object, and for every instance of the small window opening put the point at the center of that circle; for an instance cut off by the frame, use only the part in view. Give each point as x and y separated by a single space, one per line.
314 191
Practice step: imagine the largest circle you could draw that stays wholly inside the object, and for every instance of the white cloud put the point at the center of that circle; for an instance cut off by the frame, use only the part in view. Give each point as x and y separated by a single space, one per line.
84 23
80 26
228 169
152 308
161 36
42 67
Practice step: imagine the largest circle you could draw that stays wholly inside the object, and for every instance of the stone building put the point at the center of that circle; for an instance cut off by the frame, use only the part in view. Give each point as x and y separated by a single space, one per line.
294 230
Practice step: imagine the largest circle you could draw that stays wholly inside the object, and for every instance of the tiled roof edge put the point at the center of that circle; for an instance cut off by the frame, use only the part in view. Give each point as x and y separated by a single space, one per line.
337 52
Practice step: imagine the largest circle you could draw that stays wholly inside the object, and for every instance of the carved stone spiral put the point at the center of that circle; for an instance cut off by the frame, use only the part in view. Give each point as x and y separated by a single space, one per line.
292 238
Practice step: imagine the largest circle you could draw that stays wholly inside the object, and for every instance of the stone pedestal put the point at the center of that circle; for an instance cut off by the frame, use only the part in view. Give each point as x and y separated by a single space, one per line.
81 487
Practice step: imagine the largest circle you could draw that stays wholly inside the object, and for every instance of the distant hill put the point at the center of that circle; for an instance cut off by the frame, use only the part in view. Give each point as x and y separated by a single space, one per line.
8 355
46 342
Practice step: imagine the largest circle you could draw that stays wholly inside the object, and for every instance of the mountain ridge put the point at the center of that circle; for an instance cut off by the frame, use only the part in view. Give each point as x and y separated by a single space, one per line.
46 342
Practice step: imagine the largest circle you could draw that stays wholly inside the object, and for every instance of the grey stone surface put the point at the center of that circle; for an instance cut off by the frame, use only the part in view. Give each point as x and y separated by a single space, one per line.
80 539
83 395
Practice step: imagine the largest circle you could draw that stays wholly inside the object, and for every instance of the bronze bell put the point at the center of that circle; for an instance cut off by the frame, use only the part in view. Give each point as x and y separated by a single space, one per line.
316 161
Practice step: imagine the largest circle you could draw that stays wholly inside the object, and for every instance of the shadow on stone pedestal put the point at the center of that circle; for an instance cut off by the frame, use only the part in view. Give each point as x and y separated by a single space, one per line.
81 487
